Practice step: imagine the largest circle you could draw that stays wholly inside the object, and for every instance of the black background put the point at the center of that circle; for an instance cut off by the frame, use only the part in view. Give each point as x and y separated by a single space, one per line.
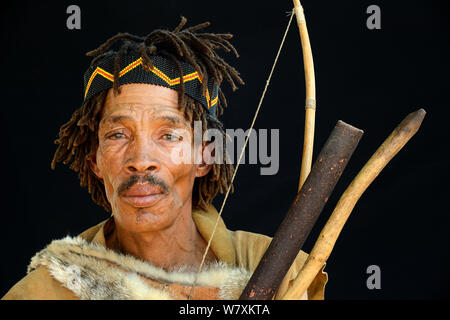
368 78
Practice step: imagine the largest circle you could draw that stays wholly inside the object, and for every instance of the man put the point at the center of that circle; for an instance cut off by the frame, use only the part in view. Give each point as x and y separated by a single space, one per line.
132 143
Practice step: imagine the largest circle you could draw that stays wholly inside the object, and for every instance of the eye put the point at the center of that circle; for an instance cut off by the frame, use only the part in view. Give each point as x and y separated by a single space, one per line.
117 136
171 137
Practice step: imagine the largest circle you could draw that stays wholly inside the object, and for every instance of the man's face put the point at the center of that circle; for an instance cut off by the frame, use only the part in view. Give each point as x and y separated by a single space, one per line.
140 131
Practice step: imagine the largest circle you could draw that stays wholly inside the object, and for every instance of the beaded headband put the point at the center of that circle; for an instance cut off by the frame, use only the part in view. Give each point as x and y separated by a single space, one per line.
164 73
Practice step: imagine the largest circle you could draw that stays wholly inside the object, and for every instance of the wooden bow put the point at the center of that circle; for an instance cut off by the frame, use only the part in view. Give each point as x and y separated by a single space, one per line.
310 105
310 101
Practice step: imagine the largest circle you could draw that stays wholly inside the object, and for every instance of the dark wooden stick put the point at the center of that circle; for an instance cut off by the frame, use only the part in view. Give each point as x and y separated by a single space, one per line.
303 213
330 232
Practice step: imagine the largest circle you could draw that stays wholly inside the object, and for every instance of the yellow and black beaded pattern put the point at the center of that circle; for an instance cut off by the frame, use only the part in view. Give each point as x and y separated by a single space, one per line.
164 73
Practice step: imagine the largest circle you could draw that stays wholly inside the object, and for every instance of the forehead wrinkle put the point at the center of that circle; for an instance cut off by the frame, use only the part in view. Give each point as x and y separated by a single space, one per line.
141 93
154 112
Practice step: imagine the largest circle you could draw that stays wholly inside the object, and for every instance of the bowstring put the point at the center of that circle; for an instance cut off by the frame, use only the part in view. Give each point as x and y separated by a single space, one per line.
241 155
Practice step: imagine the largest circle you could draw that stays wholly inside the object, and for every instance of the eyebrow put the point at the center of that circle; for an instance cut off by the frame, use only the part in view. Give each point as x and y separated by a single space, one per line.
172 119
117 118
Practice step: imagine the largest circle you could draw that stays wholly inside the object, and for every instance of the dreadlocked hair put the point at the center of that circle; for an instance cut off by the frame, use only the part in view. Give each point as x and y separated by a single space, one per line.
78 138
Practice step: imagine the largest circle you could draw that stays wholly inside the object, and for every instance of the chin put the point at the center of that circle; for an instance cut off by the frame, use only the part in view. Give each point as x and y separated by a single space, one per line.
144 219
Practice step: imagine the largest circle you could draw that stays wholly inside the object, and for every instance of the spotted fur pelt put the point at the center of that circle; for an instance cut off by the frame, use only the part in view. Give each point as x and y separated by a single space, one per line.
92 271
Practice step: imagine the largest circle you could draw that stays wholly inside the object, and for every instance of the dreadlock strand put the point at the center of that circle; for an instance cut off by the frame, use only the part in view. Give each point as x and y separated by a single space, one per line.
122 50
170 38
230 46
229 69
180 25
220 41
180 71
101 57
202 46
147 65
209 68
108 43
197 27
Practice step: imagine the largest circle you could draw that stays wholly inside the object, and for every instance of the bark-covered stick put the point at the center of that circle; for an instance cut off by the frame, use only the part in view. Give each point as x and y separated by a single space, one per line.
303 213
329 234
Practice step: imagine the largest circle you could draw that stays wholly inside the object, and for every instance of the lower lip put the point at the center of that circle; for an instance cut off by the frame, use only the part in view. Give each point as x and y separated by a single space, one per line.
143 201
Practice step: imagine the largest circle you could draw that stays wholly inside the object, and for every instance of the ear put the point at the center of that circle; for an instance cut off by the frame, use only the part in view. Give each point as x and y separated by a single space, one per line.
204 167
92 158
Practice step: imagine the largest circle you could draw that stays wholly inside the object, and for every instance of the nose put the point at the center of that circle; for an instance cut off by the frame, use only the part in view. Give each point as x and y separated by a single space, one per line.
142 157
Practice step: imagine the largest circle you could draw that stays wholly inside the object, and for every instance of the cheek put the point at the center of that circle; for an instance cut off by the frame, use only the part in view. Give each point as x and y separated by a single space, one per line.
109 165
183 169
184 176
108 158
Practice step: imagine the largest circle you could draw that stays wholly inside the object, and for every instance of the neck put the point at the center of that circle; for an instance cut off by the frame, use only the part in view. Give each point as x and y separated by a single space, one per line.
179 245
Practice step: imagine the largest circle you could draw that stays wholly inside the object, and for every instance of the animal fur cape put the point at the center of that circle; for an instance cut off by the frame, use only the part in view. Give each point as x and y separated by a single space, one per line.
94 272
83 267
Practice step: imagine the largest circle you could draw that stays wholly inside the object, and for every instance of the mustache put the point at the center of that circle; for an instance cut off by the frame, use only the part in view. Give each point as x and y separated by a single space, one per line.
153 180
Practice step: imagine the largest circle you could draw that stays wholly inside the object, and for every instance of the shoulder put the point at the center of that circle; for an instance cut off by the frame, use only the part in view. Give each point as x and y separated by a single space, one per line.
39 285
250 247
97 232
